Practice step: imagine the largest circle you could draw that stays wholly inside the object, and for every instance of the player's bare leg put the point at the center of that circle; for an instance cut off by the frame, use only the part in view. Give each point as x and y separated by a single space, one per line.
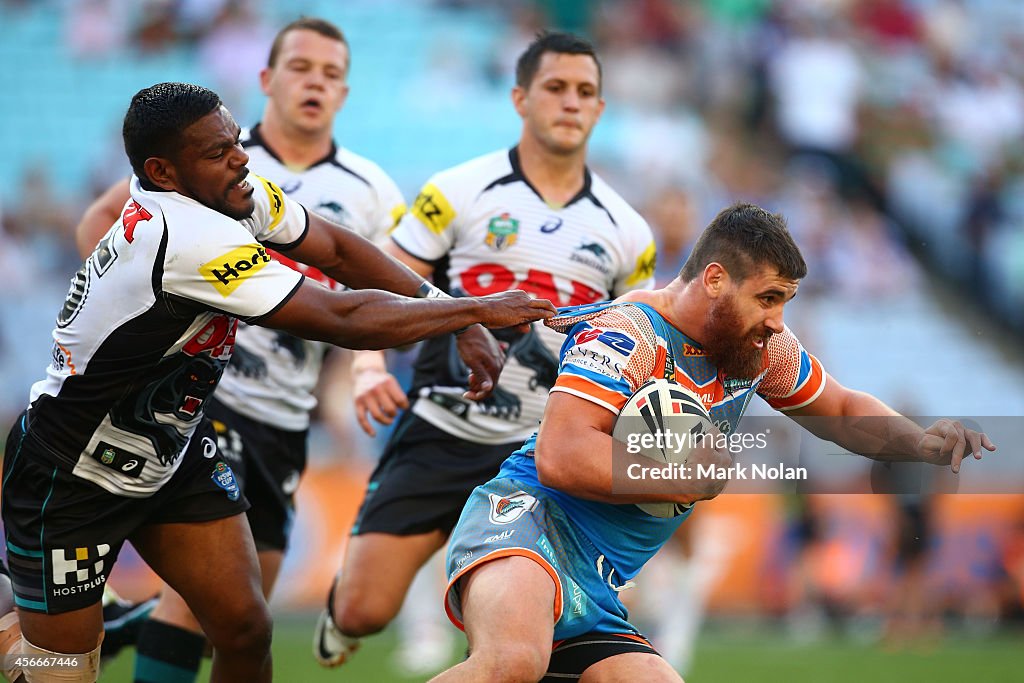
213 566
365 597
629 667
375 577
172 611
507 608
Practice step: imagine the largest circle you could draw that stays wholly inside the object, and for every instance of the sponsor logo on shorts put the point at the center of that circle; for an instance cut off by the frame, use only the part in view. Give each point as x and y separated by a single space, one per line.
77 570
507 509
576 599
466 557
228 271
545 545
503 536
223 477
117 459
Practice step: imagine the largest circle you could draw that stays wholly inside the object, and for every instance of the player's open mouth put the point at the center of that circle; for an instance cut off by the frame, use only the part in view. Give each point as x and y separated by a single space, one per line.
242 185
311 105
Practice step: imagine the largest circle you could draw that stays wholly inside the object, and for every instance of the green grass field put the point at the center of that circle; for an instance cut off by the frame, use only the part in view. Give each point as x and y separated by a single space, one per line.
725 655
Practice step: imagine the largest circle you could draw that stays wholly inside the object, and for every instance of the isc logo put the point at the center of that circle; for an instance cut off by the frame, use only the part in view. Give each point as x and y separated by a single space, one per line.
228 271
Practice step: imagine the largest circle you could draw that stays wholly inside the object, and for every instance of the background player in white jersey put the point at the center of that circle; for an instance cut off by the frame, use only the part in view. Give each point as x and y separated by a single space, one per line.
114 444
548 567
532 217
261 407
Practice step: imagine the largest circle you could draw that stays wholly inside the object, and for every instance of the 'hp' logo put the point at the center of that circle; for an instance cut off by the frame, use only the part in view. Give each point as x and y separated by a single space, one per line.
64 565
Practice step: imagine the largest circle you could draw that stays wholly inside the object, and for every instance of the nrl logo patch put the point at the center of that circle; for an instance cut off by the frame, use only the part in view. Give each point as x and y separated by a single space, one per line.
507 509
502 232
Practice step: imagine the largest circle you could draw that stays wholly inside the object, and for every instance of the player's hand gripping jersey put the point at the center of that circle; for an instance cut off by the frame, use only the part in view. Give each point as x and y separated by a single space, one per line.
272 374
148 327
487 230
609 351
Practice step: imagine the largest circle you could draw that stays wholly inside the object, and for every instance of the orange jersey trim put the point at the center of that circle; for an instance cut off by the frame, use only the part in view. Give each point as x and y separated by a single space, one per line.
807 392
581 385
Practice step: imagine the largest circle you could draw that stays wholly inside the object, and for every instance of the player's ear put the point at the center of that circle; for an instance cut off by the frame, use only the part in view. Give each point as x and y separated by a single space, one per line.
715 279
161 172
344 96
265 74
519 100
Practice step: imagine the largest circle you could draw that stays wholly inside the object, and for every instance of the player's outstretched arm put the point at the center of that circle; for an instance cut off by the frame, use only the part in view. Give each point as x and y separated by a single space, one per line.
574 454
100 215
373 319
353 260
863 424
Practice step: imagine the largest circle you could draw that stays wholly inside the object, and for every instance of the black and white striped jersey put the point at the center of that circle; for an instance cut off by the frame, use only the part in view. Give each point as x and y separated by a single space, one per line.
148 327
487 229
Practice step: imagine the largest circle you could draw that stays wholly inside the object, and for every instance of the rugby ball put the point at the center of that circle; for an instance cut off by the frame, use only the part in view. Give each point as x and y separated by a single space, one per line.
662 408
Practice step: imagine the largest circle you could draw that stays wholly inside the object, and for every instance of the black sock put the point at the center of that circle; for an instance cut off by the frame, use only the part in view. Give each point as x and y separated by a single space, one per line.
167 654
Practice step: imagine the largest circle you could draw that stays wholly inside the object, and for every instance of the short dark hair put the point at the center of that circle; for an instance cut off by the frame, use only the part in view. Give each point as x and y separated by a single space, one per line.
552 41
315 24
742 238
157 117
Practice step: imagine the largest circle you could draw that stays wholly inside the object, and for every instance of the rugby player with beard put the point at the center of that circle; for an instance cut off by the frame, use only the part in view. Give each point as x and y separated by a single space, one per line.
542 551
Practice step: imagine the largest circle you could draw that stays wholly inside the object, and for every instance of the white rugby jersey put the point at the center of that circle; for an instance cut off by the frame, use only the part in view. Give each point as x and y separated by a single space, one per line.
272 374
486 229
147 328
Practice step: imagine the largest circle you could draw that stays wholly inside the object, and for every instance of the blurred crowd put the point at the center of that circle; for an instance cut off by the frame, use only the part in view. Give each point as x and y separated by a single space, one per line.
889 133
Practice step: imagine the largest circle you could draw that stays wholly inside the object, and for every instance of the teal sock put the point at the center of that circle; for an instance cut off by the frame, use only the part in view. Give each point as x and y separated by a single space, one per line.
167 654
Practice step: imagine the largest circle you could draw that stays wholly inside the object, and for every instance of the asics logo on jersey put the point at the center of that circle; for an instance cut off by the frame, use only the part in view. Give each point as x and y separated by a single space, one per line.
551 225
292 186
228 271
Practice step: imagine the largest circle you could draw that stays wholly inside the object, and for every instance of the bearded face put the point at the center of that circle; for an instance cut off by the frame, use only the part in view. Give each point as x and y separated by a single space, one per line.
736 351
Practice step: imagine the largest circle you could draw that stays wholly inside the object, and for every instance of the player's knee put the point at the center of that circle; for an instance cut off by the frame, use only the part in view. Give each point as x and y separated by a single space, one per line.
247 631
357 617
512 663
